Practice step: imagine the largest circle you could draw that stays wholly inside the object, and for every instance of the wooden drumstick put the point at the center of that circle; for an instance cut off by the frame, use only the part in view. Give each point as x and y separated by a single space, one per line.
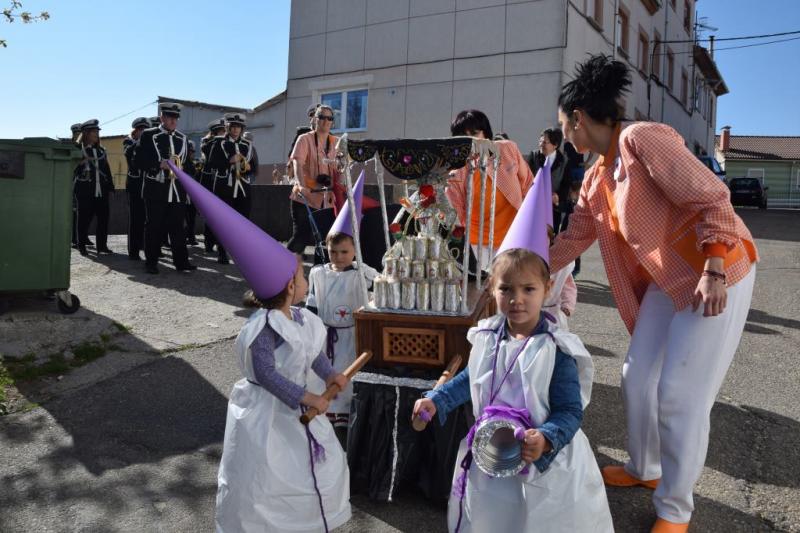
420 422
334 389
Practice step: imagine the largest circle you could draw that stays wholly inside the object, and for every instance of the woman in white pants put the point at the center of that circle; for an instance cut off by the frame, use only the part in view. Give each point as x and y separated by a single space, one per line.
681 266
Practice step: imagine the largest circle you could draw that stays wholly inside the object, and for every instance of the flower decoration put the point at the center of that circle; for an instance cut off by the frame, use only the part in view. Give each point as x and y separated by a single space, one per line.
396 230
457 233
427 196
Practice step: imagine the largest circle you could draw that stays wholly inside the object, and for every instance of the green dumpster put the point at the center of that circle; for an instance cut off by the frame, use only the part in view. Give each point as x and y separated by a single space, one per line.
36 217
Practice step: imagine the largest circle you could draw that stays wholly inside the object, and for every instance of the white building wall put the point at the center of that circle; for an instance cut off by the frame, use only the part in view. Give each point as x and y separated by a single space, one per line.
430 59
425 60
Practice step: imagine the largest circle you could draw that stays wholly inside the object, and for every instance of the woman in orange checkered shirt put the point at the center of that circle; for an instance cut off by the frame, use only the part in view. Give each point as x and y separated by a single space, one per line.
681 266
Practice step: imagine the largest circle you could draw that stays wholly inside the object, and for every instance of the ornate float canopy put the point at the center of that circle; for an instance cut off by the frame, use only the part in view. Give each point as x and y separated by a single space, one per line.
410 159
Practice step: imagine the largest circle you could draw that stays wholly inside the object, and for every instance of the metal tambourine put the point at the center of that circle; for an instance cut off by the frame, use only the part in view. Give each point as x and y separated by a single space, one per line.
497 448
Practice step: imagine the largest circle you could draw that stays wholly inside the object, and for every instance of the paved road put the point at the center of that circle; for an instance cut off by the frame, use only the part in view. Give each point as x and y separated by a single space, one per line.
132 443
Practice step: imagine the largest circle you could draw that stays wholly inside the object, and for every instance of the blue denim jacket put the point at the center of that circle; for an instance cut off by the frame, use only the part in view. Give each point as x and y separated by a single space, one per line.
566 411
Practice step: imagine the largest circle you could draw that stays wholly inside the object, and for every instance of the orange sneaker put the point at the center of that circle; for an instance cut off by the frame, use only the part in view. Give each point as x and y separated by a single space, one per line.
616 476
665 526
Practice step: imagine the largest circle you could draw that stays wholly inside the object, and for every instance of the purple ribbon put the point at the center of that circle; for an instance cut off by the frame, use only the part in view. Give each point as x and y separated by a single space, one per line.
316 453
331 339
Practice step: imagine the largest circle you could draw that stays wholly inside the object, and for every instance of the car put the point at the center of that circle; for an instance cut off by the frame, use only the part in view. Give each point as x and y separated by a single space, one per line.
712 164
748 191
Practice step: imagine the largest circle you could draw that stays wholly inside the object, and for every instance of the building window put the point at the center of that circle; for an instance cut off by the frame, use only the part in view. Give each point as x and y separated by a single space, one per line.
350 109
687 16
594 10
670 69
797 179
644 52
656 66
684 88
624 27
674 6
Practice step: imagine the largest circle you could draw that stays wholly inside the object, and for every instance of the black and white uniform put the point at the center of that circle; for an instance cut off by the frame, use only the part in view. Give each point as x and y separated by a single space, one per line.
233 190
134 184
164 198
92 185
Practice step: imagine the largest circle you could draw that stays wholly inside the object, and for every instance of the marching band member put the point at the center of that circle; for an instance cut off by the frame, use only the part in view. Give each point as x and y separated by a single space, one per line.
229 159
133 184
164 197
93 184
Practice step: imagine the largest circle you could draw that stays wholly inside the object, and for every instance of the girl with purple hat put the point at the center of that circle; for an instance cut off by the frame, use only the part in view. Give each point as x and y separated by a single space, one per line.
527 374
275 474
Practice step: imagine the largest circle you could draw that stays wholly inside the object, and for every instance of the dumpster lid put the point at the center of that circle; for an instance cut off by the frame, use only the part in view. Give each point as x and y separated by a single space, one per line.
50 148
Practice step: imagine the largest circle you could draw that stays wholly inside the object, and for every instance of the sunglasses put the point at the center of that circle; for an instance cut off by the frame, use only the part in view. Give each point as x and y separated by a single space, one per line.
325 117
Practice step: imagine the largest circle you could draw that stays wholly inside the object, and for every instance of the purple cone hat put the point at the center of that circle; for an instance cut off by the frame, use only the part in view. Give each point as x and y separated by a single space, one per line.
264 262
343 222
529 228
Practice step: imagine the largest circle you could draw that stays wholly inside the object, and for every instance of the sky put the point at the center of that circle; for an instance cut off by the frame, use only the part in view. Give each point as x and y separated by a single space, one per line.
105 59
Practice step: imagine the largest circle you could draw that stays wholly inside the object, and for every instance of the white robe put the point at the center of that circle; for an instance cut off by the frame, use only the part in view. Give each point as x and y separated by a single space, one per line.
336 295
567 497
265 481
553 302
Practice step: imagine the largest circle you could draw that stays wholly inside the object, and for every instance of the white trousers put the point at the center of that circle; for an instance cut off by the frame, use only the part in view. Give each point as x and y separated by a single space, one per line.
675 366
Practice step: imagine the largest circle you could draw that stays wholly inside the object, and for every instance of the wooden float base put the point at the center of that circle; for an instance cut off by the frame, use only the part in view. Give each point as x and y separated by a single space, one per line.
421 341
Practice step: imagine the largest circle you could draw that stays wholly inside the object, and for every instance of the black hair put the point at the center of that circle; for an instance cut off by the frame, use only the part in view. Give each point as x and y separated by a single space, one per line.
553 136
471 120
502 136
300 131
598 85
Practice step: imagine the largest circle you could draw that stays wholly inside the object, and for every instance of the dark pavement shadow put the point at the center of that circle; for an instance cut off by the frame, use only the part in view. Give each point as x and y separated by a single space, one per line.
592 292
762 317
602 352
155 410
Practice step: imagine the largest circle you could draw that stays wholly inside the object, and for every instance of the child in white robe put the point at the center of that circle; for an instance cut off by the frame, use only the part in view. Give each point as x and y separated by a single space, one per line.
276 474
522 365
334 294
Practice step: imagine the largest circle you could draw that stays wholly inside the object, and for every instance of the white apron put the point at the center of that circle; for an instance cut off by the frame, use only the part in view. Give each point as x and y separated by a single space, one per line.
552 304
336 295
265 481
569 496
